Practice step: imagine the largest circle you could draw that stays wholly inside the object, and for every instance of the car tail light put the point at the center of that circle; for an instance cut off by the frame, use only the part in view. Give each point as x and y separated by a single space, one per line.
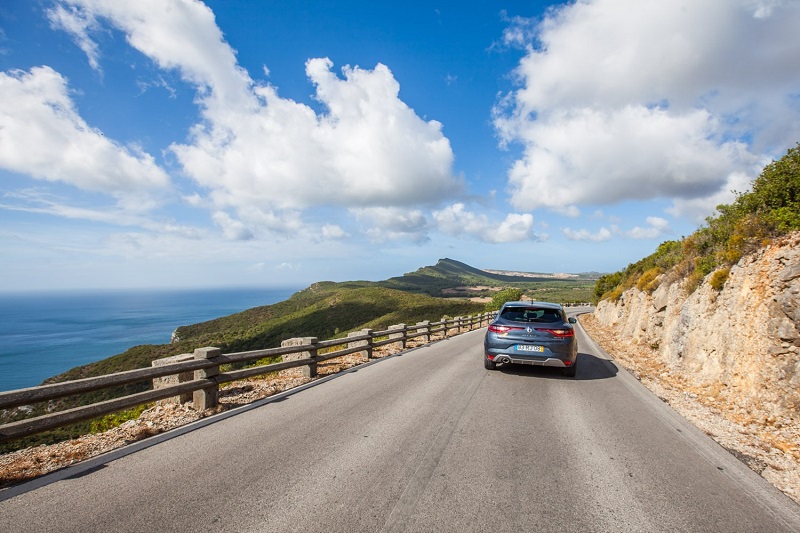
560 333
490 356
501 329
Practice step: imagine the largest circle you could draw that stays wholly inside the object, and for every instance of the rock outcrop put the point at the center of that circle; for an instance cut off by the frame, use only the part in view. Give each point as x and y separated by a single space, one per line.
742 342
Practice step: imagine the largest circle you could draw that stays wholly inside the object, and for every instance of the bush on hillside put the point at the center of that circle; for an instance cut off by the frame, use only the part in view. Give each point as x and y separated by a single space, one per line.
719 278
648 282
501 297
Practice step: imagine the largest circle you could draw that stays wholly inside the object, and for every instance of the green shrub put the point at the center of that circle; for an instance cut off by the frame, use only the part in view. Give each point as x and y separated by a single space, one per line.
718 278
503 296
117 419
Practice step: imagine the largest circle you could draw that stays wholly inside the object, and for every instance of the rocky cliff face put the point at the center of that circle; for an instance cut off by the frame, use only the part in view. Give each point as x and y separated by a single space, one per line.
742 343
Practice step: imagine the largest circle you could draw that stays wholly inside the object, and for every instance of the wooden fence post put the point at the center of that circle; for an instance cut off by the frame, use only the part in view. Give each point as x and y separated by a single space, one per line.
208 397
368 331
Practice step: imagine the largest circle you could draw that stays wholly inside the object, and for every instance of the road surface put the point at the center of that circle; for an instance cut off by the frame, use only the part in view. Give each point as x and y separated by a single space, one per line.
425 441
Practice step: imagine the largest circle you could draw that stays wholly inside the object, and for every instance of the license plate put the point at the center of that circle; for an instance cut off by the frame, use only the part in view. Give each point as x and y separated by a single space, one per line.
529 348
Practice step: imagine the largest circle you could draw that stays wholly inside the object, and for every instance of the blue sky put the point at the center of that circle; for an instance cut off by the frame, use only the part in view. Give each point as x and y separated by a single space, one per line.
176 143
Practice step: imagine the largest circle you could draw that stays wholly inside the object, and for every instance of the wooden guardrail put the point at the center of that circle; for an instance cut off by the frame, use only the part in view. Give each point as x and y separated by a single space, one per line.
208 374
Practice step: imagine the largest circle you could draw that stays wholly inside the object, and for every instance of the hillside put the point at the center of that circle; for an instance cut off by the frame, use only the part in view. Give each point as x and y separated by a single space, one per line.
324 310
455 279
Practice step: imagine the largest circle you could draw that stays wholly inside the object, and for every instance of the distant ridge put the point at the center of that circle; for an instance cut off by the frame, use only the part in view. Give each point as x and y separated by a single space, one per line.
449 273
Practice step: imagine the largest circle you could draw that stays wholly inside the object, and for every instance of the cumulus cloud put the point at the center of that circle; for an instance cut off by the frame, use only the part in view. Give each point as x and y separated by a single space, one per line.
232 229
697 209
655 228
333 231
646 99
256 151
603 234
42 135
456 220
393 223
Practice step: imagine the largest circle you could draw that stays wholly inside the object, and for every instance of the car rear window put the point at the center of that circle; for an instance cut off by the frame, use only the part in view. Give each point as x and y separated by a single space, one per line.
531 314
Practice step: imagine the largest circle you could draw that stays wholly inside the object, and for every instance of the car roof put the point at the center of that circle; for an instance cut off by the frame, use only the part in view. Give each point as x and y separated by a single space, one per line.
549 305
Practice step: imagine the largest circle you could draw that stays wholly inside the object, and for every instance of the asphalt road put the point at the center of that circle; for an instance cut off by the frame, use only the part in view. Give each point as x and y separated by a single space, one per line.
425 441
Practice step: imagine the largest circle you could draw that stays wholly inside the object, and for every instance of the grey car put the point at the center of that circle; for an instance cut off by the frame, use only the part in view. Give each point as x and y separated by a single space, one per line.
532 333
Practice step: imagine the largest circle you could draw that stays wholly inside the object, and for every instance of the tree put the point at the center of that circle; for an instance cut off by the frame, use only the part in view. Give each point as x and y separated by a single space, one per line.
501 297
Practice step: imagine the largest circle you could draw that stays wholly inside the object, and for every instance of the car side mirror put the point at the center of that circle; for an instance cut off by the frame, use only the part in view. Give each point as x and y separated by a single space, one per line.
572 320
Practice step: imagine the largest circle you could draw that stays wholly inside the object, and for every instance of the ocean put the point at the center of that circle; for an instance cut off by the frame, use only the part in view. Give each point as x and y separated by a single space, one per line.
44 334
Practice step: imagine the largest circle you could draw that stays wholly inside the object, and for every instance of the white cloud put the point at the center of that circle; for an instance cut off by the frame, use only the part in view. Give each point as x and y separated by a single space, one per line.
42 135
255 151
333 231
656 226
457 221
231 228
79 24
643 99
292 267
370 149
176 34
697 209
603 234
393 223
599 157
39 201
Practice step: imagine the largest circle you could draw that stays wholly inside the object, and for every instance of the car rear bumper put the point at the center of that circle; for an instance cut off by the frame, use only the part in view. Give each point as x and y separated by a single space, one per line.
516 360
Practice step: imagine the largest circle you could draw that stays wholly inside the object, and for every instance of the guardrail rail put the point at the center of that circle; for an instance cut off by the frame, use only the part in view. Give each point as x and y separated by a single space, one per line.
207 374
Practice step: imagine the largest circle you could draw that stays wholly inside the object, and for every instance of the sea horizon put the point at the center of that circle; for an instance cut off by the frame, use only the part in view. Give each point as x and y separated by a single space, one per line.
44 333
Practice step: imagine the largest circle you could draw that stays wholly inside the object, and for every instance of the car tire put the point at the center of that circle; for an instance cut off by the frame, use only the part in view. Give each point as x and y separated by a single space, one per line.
489 365
571 370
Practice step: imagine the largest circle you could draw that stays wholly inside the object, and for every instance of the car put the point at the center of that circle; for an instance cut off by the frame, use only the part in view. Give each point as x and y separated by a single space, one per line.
532 333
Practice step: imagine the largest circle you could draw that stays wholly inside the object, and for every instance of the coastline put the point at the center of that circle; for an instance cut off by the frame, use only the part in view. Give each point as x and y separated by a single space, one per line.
45 333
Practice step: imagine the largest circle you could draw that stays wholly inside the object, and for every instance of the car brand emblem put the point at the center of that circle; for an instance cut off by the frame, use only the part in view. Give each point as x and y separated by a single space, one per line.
529 329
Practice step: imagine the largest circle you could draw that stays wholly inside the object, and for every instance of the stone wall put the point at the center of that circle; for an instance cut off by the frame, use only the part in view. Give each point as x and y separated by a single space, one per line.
744 340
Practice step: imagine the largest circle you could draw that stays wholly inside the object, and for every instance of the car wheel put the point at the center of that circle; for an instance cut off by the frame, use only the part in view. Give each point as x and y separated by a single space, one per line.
570 370
490 365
